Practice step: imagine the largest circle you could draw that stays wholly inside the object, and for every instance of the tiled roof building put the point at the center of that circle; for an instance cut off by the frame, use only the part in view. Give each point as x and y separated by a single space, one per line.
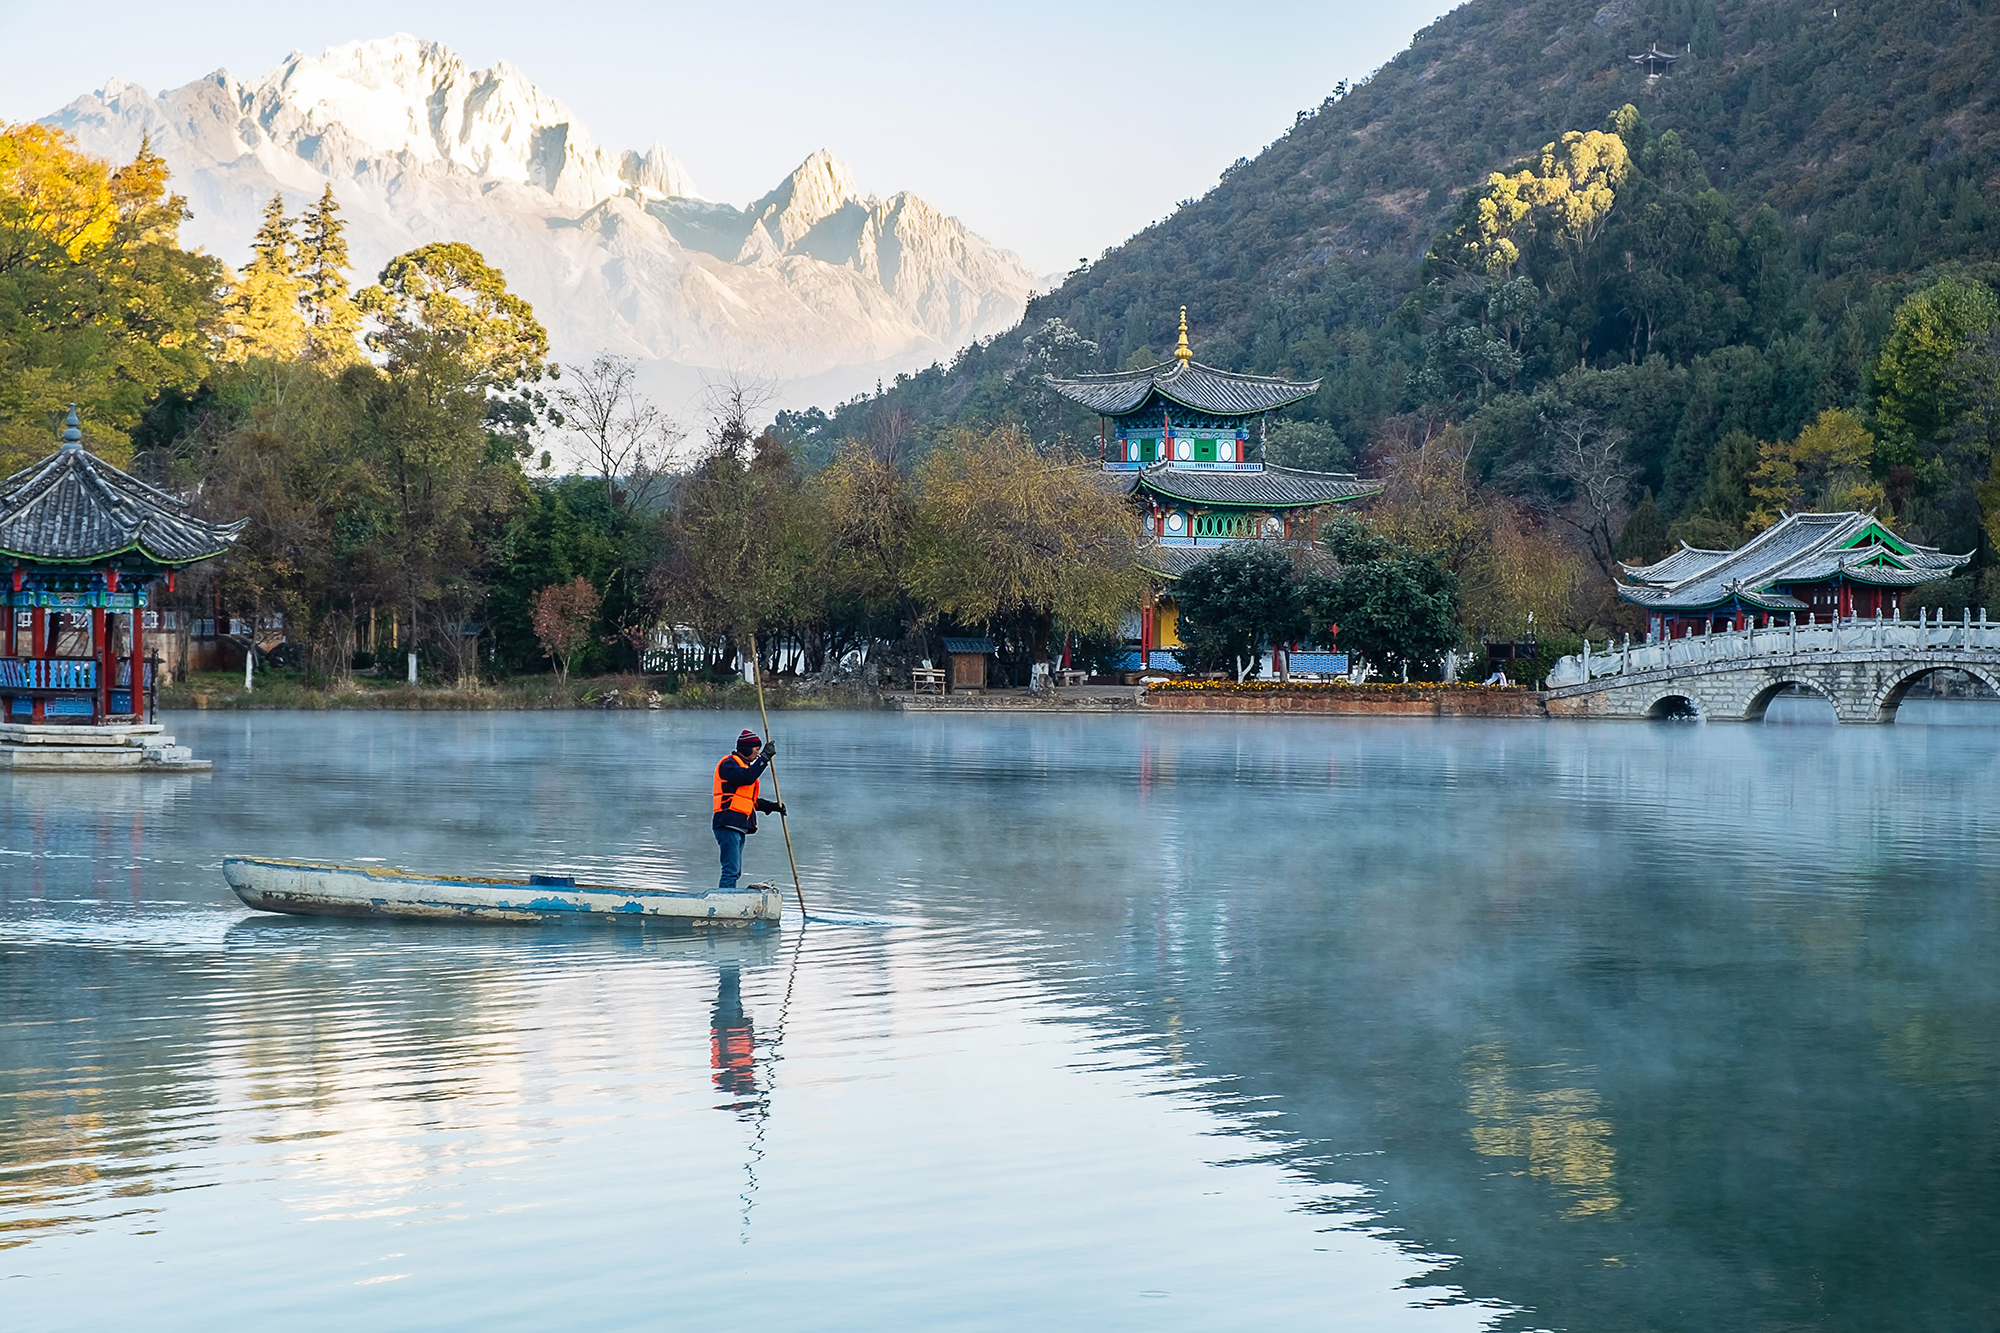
82 545
1812 566
1191 437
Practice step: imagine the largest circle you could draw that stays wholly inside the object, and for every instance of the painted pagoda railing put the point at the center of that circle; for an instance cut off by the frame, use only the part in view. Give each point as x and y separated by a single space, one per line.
1850 634
49 673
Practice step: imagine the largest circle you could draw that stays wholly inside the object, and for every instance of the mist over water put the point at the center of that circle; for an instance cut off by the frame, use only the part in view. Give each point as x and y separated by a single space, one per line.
1113 1022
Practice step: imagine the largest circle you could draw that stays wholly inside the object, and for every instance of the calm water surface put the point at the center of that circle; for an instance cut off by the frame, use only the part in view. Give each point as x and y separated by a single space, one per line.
1113 1023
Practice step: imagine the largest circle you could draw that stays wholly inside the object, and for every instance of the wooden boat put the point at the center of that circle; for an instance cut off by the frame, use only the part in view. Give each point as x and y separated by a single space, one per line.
311 888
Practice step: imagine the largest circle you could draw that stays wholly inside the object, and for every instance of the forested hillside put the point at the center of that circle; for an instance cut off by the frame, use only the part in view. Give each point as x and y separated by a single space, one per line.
1690 282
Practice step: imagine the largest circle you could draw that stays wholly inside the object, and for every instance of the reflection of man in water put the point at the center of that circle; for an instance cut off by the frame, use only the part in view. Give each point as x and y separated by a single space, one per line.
732 1042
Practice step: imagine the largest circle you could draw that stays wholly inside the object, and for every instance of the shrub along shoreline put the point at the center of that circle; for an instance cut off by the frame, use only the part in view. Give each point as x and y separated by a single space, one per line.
275 690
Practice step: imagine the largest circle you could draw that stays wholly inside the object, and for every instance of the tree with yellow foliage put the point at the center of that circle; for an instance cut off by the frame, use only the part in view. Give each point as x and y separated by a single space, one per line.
99 305
1003 533
263 309
1566 195
1825 470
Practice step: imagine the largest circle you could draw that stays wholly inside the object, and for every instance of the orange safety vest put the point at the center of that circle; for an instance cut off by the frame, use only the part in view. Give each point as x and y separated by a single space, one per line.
743 800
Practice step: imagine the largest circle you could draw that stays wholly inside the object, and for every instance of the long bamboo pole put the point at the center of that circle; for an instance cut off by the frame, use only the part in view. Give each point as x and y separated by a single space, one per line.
777 792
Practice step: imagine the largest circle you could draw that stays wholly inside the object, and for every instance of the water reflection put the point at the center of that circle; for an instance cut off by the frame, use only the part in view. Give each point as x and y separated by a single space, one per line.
1514 1025
732 1044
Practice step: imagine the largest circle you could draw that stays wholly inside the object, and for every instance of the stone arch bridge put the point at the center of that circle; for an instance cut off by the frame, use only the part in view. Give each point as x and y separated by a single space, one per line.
1863 668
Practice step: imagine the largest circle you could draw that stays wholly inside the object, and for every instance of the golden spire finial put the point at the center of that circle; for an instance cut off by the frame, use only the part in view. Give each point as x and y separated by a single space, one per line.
1184 353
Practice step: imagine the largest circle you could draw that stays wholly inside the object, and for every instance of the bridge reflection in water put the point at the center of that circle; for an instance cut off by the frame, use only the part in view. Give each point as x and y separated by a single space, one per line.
1863 667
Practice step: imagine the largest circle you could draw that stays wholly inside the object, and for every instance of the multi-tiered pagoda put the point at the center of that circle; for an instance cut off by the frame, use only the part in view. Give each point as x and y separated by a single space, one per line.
1192 439
83 546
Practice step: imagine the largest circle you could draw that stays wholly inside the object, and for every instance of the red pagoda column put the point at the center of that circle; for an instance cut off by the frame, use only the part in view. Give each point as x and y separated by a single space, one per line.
138 660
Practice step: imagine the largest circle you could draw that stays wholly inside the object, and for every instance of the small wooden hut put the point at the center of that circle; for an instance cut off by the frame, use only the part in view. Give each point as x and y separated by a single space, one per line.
968 662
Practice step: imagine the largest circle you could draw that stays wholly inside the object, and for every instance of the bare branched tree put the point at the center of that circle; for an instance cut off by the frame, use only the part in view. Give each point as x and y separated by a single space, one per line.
1588 453
625 438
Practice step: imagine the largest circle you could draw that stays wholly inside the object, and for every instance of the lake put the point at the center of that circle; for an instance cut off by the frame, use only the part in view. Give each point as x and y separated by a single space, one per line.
1103 1022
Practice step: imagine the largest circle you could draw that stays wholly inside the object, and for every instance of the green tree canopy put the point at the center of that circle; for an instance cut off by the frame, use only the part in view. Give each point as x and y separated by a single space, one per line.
1394 607
99 305
1239 602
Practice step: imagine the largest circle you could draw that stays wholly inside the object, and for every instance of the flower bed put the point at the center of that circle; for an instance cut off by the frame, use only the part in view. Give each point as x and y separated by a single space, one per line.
1384 699
1414 688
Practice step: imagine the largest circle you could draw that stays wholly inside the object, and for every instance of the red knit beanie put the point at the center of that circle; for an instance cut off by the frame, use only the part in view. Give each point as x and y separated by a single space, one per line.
747 742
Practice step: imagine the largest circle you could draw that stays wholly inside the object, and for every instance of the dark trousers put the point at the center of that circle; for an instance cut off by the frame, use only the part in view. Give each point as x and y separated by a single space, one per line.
732 856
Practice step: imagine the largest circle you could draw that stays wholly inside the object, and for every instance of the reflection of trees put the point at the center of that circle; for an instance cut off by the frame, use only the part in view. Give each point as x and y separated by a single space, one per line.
314 1048
1557 1130
1699 1044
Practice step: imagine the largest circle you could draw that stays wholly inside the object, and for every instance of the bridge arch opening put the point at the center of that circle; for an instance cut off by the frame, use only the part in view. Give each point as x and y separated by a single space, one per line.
1803 702
1983 685
1673 708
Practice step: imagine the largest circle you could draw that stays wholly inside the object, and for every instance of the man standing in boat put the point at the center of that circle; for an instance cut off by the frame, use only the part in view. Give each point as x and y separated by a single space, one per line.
736 803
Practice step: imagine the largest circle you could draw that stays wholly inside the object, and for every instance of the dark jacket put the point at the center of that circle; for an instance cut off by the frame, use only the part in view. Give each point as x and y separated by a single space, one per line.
732 772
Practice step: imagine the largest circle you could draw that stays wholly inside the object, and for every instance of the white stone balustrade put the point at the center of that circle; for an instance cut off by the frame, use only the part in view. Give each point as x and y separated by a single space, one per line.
1863 666
1849 634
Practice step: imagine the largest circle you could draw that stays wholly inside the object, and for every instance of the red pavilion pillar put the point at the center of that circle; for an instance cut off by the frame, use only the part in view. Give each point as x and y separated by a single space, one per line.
137 658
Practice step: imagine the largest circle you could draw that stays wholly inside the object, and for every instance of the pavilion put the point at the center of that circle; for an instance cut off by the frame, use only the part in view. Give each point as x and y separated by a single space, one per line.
1191 438
1656 63
1814 567
85 545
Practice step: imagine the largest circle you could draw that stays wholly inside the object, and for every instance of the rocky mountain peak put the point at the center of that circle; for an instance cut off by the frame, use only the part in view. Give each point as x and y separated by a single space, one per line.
613 248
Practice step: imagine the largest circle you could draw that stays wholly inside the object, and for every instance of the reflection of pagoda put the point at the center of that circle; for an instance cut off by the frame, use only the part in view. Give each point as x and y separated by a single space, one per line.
1192 439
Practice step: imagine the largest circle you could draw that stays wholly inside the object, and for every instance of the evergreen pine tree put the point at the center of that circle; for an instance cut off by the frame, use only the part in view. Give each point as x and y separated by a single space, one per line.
263 311
1706 41
1644 536
332 321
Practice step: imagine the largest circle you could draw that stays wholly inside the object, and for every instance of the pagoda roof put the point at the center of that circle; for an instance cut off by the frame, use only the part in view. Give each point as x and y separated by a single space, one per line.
1269 487
1801 548
1187 383
75 508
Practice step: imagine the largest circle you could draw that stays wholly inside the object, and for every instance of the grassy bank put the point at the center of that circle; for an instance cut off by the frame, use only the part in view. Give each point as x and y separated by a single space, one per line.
287 689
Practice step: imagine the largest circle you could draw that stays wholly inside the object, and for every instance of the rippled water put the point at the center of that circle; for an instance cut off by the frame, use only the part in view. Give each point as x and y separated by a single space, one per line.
1179 1022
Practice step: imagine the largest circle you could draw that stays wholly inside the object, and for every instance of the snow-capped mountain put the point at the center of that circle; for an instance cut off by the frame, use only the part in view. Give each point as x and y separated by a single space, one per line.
816 282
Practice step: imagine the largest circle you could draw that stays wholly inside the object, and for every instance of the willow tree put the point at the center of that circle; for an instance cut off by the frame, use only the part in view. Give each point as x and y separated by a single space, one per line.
1002 534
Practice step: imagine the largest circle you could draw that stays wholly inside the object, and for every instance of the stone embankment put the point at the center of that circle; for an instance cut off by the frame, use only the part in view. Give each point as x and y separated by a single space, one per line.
1087 699
1251 697
1347 700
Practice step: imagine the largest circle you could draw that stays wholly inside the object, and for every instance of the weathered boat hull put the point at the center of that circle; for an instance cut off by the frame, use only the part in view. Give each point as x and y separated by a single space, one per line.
306 888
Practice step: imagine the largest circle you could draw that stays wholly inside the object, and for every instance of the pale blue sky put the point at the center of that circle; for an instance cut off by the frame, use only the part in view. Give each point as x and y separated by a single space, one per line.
1055 128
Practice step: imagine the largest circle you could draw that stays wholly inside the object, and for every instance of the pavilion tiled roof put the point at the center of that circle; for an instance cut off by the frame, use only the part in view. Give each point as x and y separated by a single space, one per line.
75 508
1273 487
1802 548
1190 384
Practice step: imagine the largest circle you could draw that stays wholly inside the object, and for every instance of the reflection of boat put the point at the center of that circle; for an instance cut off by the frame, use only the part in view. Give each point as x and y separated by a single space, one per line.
308 888
663 941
